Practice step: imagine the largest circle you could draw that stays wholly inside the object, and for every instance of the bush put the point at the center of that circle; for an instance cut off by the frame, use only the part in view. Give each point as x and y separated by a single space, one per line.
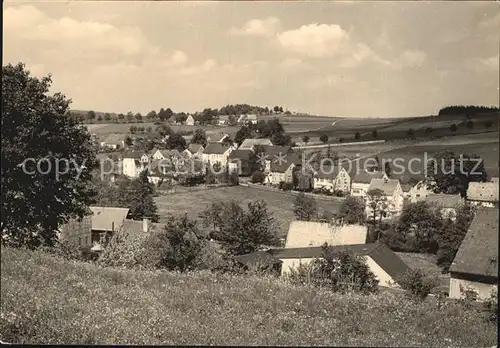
286 186
491 306
417 284
258 177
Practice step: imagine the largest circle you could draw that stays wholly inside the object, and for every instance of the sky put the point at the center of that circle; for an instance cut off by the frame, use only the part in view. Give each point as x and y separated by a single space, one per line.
343 59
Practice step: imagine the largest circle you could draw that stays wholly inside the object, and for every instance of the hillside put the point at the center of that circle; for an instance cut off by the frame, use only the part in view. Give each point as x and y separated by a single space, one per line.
49 300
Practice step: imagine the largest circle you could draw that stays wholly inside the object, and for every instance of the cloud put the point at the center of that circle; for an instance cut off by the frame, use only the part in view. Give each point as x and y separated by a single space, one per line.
206 66
258 27
491 63
410 59
29 23
314 40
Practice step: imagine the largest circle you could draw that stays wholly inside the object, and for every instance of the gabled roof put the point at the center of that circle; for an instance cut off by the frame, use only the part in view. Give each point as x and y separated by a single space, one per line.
240 154
303 234
378 252
443 200
249 143
216 138
257 259
272 150
278 166
193 148
387 186
216 149
364 177
133 154
478 254
483 191
108 218
328 172
114 138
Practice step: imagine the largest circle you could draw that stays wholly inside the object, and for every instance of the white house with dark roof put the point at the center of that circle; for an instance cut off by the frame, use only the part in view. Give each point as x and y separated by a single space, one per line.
393 193
360 182
216 153
282 171
475 266
194 150
114 141
134 163
484 194
334 178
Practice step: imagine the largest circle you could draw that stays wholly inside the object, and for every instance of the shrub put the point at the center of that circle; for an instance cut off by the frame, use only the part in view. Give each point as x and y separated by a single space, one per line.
417 284
491 306
468 297
258 177
287 186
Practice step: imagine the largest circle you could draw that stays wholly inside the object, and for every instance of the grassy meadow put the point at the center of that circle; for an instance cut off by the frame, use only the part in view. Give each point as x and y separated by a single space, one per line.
279 203
47 300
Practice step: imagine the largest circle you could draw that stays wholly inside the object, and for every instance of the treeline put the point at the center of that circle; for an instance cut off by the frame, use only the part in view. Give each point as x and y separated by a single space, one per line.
242 109
467 109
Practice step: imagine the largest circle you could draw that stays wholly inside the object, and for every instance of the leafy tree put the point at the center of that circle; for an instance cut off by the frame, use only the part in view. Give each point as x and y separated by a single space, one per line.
149 129
453 127
181 118
151 115
451 174
138 197
243 133
469 124
352 211
176 141
91 115
213 215
323 138
374 133
388 169
304 207
121 116
182 243
234 180
377 202
35 126
467 109
130 116
417 284
128 141
164 130
138 116
357 135
107 116
258 177
168 113
99 118
199 137
232 120
243 232
276 109
281 109
305 139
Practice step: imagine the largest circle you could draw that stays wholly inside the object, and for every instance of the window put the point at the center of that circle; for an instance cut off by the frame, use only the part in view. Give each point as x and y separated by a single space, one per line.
79 241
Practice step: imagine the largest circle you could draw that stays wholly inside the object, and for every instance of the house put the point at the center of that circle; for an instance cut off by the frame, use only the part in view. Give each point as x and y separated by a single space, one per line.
418 192
216 153
251 118
260 261
393 193
360 182
475 266
282 171
249 144
242 119
274 153
161 154
334 178
239 161
114 141
134 163
189 121
483 194
382 261
195 150
218 138
447 204
302 234
223 120
159 170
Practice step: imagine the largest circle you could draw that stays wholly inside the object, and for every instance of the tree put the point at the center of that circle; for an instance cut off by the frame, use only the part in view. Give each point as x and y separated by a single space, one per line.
151 115
130 116
128 141
107 116
276 109
137 195
258 177
377 204
243 133
453 127
417 284
411 133
469 124
199 137
168 113
488 124
99 118
181 118
352 211
428 130
91 115
243 232
305 139
213 215
232 120
138 116
34 126
164 130
388 169
323 138
357 135
121 116
374 133
182 243
176 141
149 129
305 208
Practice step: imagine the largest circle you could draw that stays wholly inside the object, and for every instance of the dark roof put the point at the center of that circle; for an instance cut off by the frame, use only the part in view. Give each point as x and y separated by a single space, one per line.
444 200
364 177
282 166
258 258
478 254
379 252
216 148
388 186
327 172
194 147
133 154
272 150
240 154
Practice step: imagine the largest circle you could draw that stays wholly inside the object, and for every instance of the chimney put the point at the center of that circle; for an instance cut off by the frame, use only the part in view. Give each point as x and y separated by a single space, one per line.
145 224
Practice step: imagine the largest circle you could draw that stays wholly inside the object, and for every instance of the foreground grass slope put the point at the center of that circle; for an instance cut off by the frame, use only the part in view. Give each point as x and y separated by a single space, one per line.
49 300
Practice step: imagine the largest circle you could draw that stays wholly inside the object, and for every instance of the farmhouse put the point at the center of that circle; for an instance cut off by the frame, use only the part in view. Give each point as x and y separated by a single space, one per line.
360 182
382 261
483 194
302 234
334 178
475 266
249 144
216 153
134 163
189 121
393 193
114 141
447 204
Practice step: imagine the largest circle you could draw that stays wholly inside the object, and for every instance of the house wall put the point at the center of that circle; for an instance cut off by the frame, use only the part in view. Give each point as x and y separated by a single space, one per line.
359 189
483 289
343 181
217 158
418 192
130 169
384 278
158 156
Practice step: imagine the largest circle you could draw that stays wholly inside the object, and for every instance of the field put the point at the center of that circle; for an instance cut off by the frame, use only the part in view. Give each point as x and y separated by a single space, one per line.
193 203
46 300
